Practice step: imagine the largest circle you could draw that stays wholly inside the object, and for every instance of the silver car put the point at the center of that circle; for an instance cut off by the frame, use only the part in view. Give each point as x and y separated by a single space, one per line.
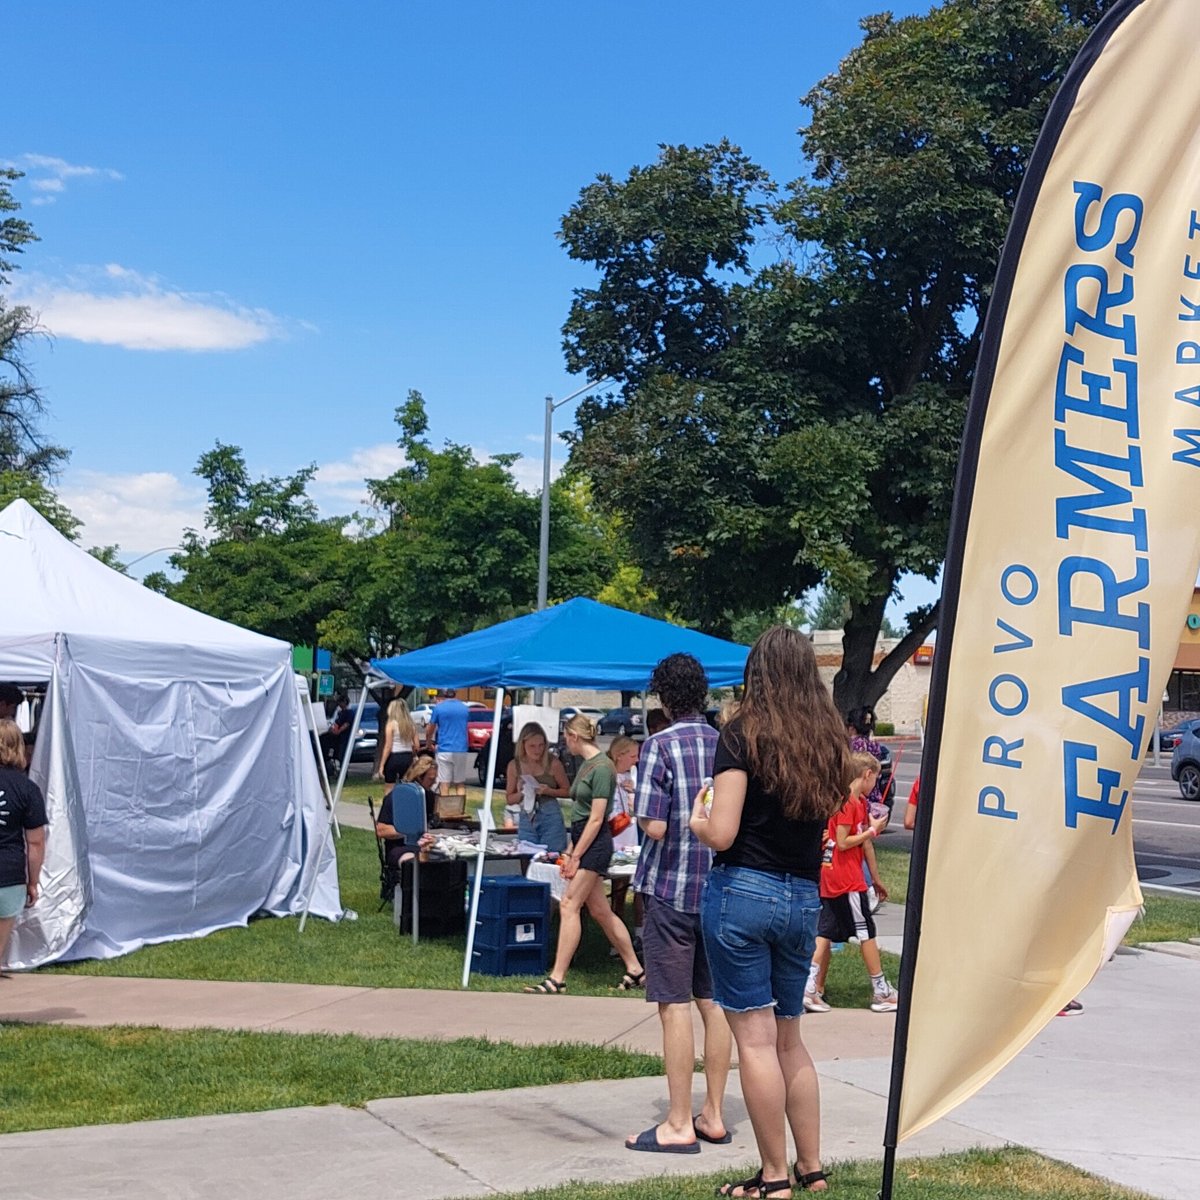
1185 762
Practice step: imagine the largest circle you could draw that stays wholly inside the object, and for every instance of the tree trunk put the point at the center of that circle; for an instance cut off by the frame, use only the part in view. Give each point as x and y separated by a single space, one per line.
856 683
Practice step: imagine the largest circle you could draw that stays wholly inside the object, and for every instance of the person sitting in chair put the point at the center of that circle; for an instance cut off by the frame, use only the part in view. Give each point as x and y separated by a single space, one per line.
417 779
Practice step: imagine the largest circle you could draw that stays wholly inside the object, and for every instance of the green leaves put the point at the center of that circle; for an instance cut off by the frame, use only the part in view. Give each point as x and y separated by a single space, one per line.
22 446
661 239
801 422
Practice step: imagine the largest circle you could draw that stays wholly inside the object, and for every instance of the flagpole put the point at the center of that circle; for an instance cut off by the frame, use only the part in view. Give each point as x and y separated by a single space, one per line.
915 899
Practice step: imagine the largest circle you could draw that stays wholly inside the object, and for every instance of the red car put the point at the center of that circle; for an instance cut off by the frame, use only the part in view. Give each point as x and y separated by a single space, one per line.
479 727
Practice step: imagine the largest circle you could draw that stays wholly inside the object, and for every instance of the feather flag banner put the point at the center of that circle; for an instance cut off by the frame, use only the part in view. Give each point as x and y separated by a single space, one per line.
1074 549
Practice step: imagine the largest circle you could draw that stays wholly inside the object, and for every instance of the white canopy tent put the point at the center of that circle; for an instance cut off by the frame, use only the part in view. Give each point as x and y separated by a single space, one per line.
181 788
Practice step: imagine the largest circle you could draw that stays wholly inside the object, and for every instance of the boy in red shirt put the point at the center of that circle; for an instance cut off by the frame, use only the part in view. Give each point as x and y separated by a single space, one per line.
845 913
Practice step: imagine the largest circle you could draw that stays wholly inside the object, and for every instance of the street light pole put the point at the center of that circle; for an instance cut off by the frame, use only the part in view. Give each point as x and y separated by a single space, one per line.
543 587
161 550
544 529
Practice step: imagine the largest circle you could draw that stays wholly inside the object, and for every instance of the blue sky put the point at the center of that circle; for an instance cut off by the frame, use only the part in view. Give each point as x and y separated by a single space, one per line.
265 222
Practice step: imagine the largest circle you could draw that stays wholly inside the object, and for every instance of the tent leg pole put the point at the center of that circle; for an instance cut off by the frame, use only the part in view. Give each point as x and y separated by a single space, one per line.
337 795
416 897
485 822
316 741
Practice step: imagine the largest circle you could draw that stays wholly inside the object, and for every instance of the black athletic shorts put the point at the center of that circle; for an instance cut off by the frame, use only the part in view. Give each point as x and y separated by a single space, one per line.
845 917
596 857
397 763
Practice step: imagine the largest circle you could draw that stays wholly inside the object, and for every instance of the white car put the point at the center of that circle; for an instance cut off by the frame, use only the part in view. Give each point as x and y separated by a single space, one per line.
420 718
568 711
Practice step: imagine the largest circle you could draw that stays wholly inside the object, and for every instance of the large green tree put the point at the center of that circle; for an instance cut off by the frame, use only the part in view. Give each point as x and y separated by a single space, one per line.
459 543
775 426
23 448
265 559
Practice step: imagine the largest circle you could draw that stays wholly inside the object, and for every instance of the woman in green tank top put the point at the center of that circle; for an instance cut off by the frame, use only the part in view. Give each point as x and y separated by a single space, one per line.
587 862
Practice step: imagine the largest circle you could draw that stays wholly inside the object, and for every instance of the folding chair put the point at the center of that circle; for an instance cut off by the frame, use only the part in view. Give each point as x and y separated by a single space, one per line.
408 818
389 877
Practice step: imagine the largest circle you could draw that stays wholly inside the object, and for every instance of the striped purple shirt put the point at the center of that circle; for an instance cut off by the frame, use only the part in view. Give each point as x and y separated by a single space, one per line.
673 765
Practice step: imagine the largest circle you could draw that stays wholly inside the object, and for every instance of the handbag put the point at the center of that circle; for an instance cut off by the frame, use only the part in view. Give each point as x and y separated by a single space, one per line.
619 822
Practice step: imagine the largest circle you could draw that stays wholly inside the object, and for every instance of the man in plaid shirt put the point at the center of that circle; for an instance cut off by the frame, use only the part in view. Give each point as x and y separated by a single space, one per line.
671 870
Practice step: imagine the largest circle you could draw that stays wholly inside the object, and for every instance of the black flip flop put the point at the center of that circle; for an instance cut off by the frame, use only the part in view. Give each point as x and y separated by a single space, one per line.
648 1140
708 1137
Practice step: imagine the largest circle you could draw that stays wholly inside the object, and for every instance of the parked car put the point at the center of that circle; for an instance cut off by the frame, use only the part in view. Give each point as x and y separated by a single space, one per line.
367 739
1185 763
504 751
621 721
565 714
420 718
479 726
1168 739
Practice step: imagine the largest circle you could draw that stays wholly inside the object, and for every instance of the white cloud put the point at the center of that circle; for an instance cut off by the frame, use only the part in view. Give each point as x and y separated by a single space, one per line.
148 510
342 483
48 175
527 471
117 306
138 512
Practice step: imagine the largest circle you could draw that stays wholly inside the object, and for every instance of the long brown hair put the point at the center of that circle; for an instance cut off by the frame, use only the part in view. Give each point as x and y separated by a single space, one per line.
792 736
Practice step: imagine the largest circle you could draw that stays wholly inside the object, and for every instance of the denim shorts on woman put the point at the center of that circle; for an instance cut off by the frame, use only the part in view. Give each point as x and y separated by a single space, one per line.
760 930
12 900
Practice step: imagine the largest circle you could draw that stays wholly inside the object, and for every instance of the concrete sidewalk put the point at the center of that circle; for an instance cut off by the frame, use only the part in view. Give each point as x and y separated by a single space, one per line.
1112 1091
424 1147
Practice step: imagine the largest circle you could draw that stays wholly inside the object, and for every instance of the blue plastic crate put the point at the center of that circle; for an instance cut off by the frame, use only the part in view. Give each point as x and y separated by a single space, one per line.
516 932
510 960
513 895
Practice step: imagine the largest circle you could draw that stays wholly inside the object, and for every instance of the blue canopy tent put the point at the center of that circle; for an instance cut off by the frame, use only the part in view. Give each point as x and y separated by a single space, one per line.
580 643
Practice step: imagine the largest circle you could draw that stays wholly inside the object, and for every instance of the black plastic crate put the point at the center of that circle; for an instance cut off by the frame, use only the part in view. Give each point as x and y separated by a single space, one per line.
443 897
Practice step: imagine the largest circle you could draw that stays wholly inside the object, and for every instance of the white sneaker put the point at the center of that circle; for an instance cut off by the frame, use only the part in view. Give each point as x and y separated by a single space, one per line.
886 1002
814 1002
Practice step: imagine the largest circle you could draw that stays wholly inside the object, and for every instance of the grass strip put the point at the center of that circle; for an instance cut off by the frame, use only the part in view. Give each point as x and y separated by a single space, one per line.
1010 1174
1164 919
56 1076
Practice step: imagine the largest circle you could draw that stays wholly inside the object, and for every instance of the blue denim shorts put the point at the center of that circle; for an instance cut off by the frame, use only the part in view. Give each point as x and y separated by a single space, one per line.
760 930
544 825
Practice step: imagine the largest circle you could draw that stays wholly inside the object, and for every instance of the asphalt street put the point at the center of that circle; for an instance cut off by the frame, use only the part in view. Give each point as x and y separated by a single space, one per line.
1166 828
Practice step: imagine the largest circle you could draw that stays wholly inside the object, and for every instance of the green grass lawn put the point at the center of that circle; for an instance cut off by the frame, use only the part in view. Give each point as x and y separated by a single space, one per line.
1166 918
1010 1174
369 952
56 1076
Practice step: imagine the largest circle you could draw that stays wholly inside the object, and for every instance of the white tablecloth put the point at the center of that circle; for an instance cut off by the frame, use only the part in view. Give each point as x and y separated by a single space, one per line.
548 872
